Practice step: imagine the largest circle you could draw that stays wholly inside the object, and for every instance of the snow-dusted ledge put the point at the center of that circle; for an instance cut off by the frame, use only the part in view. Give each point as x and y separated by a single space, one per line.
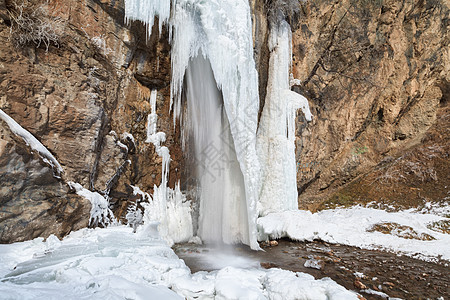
31 141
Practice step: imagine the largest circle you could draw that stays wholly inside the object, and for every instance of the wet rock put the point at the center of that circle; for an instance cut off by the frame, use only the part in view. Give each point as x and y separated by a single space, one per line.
268 265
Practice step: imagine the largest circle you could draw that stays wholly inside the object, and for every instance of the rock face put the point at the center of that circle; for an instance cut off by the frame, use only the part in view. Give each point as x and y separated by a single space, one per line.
377 76
80 97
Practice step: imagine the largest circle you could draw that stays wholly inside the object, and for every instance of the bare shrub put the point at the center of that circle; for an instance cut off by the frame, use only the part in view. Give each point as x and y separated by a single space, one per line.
278 10
31 23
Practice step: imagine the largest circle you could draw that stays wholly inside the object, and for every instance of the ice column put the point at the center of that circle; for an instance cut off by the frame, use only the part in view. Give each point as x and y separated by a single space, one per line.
276 133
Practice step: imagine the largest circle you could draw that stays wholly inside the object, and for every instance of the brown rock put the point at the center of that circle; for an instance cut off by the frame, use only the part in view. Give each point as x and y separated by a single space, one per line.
273 243
74 96
33 202
374 88
359 285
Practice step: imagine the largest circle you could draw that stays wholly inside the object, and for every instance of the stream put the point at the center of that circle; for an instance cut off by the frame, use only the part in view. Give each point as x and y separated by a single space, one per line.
374 274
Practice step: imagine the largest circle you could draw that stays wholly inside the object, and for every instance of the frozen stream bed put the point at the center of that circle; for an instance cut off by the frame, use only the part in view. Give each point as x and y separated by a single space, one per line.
114 263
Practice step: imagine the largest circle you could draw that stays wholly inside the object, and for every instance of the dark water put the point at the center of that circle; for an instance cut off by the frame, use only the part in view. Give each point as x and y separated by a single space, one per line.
396 276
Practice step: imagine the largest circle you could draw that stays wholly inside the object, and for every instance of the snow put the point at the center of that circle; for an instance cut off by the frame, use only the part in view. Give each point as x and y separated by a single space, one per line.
349 227
313 263
31 141
373 292
100 212
128 136
114 263
276 132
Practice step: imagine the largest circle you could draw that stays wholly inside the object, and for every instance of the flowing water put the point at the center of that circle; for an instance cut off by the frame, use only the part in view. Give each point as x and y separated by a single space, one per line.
222 209
385 273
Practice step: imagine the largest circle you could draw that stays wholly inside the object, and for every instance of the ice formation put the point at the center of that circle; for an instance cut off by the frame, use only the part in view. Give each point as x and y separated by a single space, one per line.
31 141
276 132
100 212
167 207
219 32
222 210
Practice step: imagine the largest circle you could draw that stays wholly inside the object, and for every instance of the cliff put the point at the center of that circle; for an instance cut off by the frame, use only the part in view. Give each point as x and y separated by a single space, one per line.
376 74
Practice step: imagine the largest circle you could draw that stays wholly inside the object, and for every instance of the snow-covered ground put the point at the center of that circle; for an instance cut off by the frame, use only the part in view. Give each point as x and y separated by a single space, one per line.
114 263
353 226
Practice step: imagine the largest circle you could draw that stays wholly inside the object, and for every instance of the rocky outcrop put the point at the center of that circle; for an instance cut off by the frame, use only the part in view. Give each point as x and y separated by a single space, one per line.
377 77
34 202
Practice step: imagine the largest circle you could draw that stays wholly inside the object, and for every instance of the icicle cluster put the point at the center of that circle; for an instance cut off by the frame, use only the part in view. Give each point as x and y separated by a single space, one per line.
146 11
167 207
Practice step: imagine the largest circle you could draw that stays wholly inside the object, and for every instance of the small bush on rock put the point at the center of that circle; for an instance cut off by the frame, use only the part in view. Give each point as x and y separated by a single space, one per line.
31 23
278 10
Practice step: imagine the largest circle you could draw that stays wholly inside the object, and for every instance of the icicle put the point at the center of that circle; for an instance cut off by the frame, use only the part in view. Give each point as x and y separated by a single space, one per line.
146 11
167 207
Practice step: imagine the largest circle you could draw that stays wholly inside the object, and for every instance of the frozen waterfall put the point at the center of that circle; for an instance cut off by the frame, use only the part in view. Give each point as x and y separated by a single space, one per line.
222 32
213 66
223 210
